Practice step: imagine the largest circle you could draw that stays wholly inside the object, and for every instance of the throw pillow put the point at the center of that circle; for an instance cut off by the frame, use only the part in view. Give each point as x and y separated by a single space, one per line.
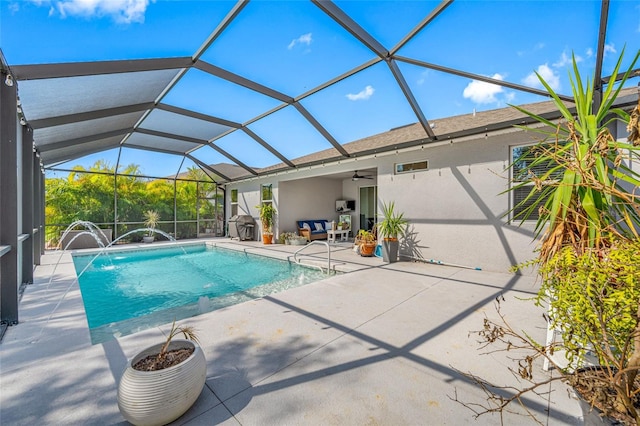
327 225
306 226
318 226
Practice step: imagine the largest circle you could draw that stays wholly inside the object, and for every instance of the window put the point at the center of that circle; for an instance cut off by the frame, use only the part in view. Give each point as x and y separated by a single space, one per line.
418 166
522 171
234 202
266 192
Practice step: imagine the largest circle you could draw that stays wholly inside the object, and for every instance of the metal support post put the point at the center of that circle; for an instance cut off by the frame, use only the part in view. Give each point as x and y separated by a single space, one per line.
9 285
28 195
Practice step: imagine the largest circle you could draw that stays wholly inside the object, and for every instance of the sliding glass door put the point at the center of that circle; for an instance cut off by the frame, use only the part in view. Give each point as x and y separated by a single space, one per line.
368 197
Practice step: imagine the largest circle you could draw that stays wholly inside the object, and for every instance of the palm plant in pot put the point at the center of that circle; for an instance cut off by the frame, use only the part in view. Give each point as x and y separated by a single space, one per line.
151 219
163 381
589 256
393 224
267 213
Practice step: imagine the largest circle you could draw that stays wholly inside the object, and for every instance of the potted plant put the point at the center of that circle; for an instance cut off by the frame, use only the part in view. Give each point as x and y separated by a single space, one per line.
151 219
589 256
392 225
367 242
282 238
267 212
286 237
297 240
163 381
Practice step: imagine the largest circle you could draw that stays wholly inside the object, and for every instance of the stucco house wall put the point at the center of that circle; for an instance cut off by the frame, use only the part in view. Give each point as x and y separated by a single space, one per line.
455 208
312 198
249 198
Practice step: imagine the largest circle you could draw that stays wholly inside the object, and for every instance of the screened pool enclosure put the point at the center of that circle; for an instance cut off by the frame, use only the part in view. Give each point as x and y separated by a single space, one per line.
109 119
189 205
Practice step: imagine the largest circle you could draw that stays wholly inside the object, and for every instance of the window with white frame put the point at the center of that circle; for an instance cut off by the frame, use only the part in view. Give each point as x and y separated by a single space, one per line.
416 166
522 171
266 194
234 202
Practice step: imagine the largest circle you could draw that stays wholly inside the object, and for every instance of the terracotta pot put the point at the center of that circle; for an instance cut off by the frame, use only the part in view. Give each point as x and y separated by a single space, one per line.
267 238
159 397
367 249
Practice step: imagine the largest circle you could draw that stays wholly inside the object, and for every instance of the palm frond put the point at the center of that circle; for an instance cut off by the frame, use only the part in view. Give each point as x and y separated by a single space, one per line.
188 332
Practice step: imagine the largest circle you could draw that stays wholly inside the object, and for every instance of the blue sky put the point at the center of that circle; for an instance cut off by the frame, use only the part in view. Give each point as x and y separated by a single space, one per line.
291 46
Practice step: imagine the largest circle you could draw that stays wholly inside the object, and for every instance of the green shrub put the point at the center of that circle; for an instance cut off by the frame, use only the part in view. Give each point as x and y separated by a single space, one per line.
594 299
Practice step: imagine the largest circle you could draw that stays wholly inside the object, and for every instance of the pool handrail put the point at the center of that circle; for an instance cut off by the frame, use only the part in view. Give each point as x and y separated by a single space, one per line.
295 255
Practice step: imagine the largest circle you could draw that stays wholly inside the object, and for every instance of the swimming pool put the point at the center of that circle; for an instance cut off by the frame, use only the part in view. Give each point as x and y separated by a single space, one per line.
128 291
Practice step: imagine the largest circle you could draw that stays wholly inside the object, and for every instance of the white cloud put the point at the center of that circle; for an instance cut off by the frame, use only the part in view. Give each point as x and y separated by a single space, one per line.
589 52
609 48
538 46
545 71
483 93
303 39
121 11
363 95
509 97
423 77
565 60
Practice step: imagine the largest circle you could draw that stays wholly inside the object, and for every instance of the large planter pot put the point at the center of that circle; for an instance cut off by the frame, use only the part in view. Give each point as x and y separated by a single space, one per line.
300 241
592 415
267 238
148 239
159 397
390 250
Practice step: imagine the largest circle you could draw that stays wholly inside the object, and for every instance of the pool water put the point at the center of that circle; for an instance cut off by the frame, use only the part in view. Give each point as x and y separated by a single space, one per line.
127 291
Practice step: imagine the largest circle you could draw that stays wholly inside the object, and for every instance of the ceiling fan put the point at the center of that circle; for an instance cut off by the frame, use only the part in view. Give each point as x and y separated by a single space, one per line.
356 176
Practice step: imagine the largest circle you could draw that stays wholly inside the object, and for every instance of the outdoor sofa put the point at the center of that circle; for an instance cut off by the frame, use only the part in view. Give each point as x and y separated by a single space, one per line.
313 229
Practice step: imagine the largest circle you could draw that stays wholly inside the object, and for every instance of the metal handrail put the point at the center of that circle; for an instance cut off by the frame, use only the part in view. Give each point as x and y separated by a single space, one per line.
295 255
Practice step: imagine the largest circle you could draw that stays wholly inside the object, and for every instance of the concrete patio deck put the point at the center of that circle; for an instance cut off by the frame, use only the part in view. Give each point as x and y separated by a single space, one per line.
381 344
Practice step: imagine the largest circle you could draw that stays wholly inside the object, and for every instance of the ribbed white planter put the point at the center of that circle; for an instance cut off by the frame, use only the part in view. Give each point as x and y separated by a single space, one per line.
160 397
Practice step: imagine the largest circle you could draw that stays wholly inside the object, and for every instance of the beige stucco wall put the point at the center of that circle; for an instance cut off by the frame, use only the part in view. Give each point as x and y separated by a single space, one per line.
249 198
455 209
307 199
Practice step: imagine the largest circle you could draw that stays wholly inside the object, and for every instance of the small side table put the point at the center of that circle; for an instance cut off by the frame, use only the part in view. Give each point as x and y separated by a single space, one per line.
332 234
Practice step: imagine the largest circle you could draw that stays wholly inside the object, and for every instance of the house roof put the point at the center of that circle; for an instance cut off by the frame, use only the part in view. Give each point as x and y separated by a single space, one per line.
449 128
